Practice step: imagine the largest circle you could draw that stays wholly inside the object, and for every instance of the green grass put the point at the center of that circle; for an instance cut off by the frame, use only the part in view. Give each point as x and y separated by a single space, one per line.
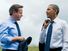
33 48
0 49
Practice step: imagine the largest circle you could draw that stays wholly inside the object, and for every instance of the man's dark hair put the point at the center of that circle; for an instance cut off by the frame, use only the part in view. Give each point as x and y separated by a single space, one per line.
55 7
15 8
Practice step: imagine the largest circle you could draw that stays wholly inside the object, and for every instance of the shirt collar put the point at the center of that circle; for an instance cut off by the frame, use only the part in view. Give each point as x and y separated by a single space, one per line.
56 19
12 19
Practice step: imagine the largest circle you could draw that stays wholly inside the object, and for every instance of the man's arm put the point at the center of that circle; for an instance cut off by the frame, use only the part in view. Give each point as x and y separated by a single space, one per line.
5 37
18 38
65 37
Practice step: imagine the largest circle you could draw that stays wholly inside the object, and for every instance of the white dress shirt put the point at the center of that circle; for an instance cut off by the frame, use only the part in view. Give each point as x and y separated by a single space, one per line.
59 36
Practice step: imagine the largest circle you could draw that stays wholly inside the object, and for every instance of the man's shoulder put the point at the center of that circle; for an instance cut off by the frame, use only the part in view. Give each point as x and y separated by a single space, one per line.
6 23
3 26
63 22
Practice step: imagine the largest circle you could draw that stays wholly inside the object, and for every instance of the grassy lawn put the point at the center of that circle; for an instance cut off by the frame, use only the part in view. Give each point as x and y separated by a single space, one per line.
31 48
0 49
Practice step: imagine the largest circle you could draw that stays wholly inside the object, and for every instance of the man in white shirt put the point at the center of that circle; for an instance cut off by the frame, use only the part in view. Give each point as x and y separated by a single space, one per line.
59 34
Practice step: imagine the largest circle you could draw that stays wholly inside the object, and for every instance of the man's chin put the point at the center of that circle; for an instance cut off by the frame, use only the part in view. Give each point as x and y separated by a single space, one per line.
48 16
18 19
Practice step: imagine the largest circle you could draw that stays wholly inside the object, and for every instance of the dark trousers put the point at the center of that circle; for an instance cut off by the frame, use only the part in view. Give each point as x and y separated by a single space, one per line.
56 49
42 48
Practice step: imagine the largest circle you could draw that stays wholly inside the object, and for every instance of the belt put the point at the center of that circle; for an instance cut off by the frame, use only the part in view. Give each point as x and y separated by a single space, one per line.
8 50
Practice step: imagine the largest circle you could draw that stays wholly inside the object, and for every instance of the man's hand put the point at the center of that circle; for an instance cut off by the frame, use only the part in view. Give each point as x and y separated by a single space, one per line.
18 38
45 24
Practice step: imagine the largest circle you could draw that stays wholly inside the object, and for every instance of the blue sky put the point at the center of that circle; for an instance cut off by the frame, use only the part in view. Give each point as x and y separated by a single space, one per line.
34 15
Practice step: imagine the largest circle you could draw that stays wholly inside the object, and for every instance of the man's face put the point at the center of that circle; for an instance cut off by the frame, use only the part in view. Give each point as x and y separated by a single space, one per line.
50 12
18 15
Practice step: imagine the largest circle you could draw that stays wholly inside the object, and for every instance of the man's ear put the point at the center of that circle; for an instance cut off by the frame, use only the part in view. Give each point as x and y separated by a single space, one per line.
14 12
56 11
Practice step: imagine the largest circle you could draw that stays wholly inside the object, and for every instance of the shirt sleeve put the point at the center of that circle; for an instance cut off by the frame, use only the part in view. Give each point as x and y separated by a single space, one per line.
42 36
65 37
4 36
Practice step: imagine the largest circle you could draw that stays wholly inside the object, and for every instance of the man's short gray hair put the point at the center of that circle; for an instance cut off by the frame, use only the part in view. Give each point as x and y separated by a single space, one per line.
55 7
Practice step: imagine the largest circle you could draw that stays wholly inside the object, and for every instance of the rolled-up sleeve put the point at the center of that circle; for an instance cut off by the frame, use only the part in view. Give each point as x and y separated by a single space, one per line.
4 36
42 36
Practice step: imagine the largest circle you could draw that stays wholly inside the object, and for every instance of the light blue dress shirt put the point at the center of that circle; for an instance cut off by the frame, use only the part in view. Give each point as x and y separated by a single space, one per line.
8 30
59 36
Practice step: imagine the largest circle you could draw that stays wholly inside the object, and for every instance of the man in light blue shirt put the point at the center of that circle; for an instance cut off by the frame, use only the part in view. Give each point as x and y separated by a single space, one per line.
59 36
10 35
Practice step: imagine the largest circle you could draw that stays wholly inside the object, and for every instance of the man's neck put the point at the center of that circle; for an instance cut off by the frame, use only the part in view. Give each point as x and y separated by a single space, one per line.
52 18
